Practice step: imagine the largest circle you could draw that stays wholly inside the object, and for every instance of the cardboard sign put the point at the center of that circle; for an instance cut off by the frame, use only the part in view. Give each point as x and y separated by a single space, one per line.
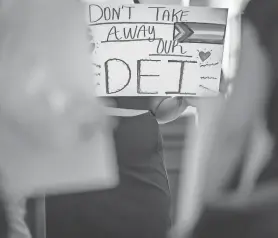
156 50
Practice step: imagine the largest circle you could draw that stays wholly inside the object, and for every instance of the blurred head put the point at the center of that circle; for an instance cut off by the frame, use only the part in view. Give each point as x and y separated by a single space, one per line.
45 72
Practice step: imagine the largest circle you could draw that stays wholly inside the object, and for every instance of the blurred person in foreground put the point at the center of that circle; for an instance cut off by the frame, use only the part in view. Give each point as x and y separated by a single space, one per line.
239 180
139 207
46 93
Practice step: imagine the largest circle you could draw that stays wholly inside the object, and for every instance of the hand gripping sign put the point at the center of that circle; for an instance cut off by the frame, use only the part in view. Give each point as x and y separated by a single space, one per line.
156 50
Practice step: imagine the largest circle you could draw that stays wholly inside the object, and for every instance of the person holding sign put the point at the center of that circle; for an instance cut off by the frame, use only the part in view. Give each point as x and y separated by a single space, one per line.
139 207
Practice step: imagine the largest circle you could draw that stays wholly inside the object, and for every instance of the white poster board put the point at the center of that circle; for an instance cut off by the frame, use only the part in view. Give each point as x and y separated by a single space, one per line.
156 50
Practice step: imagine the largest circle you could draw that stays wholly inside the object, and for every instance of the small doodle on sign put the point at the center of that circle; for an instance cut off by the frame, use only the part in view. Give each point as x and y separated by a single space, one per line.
208 77
182 32
97 65
202 86
209 65
204 55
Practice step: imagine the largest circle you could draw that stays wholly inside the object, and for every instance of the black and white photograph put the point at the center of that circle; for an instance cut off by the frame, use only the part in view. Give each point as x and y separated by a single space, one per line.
138 119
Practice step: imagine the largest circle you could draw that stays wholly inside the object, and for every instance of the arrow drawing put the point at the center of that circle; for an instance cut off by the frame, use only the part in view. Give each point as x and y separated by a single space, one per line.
182 32
192 32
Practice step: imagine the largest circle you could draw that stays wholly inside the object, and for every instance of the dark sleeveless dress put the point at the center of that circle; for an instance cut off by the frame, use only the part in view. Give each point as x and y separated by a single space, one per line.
139 206
260 221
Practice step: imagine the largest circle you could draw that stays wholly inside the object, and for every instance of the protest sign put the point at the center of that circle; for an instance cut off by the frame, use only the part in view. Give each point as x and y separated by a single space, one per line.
156 50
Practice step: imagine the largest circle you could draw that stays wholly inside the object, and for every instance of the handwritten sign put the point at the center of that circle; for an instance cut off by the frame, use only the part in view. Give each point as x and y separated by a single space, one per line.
156 50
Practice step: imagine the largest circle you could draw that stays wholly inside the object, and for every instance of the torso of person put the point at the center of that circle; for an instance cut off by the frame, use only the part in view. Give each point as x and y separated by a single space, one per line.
140 204
139 207
139 146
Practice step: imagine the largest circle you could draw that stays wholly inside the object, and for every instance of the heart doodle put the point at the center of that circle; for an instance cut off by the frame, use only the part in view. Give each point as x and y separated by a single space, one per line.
204 55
